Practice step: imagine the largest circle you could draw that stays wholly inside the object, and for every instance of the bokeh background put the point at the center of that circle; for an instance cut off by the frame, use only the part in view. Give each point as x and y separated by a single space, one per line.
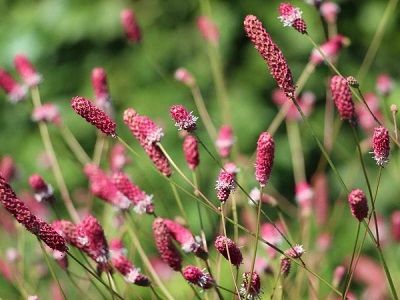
66 39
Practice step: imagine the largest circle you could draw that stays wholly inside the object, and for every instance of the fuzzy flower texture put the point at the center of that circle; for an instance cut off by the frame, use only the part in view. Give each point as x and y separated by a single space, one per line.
184 119
264 157
381 146
358 204
291 16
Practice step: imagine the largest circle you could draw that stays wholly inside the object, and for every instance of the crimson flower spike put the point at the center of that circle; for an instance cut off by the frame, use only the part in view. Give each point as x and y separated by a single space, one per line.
27 71
381 145
271 53
358 204
191 151
130 26
341 95
94 115
15 92
225 185
198 277
254 288
291 16
224 246
23 215
265 154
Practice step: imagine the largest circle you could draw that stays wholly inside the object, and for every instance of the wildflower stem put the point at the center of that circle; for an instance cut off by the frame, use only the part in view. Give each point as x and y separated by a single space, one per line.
276 284
74 145
109 283
154 292
297 151
179 202
98 148
395 125
44 132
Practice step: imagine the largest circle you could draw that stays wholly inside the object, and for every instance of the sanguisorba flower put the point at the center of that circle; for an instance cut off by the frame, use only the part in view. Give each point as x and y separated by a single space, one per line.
184 76
165 246
341 95
291 16
265 154
381 145
285 266
191 150
26 70
271 53
43 190
130 26
295 252
208 29
225 185
224 246
48 113
358 204
94 115
184 119
15 92
23 215
198 277
251 283
100 88
225 141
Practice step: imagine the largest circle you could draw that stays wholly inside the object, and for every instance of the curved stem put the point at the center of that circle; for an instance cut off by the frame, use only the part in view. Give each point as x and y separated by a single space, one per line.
74 145
350 271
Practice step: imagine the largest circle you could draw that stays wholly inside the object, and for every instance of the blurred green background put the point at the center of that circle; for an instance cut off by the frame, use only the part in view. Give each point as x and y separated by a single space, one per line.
66 39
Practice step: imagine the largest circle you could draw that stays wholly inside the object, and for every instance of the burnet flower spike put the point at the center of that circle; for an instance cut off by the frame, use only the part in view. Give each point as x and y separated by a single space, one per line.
47 112
15 92
191 151
265 154
100 89
43 190
131 26
224 246
341 95
27 71
184 119
291 16
358 204
198 277
381 146
94 115
225 141
225 185
252 284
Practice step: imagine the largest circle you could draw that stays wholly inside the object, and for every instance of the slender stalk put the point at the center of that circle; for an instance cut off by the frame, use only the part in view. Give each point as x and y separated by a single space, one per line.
296 150
74 145
98 148
394 112
109 282
276 284
179 202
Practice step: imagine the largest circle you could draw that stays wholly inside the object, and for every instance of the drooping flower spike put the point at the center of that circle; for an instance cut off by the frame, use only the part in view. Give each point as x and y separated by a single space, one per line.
358 204
130 26
198 277
224 246
381 145
225 185
94 115
27 71
184 119
265 154
15 92
252 284
191 151
291 16
341 95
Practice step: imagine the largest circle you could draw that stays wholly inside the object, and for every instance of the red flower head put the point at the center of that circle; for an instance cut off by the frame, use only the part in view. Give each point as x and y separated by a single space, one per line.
94 115
395 219
296 252
208 29
291 16
381 145
255 286
91 237
384 84
225 185
130 25
185 238
273 56
358 204
184 76
142 202
43 190
48 113
341 95
331 49
23 215
198 277
286 264
68 231
184 119
159 159
222 244
14 91
26 70
265 154
102 186
191 151
100 88
225 141
165 246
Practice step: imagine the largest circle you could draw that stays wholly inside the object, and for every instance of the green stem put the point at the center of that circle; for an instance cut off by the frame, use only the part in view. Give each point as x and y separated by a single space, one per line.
74 145
350 271
179 202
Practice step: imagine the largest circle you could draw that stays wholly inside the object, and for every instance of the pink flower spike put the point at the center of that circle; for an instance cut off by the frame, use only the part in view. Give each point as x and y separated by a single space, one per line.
130 26
225 185
118 158
291 16
255 286
208 29
43 190
384 84
48 113
381 146
184 119
296 252
198 277
265 154
395 222
358 204
191 151
184 76
224 246
100 88
286 265
341 95
331 49
94 115
26 70
225 141
14 91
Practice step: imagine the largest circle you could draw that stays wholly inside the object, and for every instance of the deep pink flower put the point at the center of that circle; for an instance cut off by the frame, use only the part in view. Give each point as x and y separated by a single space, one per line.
225 141
94 115
100 88
224 246
225 185
102 186
291 16
265 154
14 91
384 84
48 113
381 146
165 246
329 11
23 215
68 231
208 29
285 267
255 286
184 119
198 277
130 26
296 252
26 70
7 168
159 159
395 224
184 76
331 49
142 202
118 158
271 53
191 151
358 204
341 95
43 190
